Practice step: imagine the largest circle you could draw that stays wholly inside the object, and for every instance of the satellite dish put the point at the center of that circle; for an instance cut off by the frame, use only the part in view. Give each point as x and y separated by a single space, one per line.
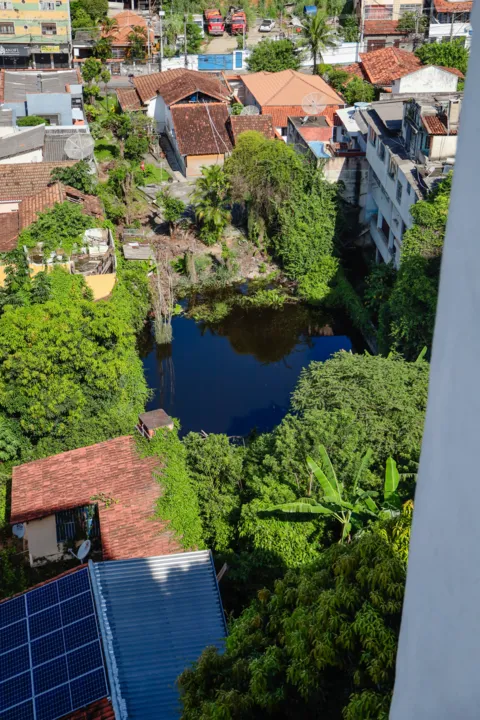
79 146
83 551
250 110
313 103
18 530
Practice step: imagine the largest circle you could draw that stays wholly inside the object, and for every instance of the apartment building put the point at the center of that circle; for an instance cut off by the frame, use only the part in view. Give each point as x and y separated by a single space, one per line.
411 145
35 33
379 22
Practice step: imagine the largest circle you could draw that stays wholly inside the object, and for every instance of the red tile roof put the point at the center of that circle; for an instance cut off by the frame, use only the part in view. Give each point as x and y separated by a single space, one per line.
281 114
354 69
330 113
382 27
437 125
99 710
114 467
126 21
201 129
384 66
259 123
190 83
454 71
148 86
443 6
310 134
19 180
128 99
288 88
57 193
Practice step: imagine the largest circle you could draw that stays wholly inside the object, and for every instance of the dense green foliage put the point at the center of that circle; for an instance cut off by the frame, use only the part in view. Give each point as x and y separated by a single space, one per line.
78 176
323 644
96 9
273 56
60 227
451 54
31 120
413 22
407 313
353 88
211 196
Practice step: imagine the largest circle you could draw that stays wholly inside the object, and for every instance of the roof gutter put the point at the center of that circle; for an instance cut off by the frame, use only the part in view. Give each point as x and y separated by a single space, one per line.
118 703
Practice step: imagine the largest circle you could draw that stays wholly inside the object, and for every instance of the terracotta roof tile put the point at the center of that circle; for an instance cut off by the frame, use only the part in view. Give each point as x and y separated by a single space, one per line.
71 479
281 114
454 71
19 180
310 134
382 27
99 710
437 125
180 88
201 129
288 88
9 230
384 66
330 113
148 86
444 6
354 69
126 21
128 99
259 123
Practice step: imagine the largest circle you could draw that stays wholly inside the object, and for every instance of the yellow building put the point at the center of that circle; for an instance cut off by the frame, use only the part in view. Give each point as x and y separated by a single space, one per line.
35 34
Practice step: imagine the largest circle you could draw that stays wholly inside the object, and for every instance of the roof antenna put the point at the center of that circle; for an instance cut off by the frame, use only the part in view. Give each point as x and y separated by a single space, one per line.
313 104
82 551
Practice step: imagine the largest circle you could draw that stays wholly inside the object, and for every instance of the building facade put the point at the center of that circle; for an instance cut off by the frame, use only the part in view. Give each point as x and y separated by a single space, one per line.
35 34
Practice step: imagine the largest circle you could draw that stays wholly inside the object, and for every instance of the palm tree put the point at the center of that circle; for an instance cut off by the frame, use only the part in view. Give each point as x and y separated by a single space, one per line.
109 24
211 203
319 36
347 505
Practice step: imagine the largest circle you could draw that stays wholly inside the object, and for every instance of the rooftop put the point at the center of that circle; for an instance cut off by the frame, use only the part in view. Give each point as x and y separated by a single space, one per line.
258 123
19 84
128 99
288 88
384 66
201 128
190 83
23 141
55 140
446 6
382 27
126 21
112 469
148 86
20 180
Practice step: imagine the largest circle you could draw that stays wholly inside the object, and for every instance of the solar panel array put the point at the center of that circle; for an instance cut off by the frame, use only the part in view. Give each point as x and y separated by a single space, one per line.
51 660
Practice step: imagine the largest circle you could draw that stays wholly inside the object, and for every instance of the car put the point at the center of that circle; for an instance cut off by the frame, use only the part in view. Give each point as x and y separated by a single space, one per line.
266 26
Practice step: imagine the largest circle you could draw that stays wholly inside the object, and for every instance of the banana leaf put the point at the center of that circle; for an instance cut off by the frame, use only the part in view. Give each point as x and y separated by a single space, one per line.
392 478
302 507
329 485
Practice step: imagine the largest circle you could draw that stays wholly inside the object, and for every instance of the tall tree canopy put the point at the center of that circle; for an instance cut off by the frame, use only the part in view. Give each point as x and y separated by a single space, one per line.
452 54
273 56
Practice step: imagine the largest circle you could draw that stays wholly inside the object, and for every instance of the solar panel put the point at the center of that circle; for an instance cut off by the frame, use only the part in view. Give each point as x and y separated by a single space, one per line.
51 660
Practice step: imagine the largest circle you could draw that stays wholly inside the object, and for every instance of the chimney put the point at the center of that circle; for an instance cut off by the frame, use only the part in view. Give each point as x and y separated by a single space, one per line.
150 422
454 107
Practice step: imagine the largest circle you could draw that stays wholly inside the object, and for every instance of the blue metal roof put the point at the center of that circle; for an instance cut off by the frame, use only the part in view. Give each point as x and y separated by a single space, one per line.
318 149
156 616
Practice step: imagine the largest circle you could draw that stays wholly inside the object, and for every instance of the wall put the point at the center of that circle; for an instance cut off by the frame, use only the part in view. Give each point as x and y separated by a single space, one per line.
27 12
101 285
442 146
41 539
194 163
429 79
437 31
51 104
28 157
156 110
353 172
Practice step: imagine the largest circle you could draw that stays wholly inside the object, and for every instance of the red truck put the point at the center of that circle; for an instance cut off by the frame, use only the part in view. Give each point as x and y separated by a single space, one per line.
239 23
214 22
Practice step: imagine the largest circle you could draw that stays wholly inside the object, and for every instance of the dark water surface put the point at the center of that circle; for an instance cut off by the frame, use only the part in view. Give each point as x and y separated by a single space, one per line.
239 374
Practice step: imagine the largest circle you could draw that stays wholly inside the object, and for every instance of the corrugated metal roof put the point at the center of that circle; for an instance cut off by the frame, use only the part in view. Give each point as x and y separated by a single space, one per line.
157 614
22 142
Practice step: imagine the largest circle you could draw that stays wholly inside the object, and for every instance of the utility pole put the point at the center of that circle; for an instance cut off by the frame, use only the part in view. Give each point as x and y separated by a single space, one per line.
362 24
161 15
185 38
451 27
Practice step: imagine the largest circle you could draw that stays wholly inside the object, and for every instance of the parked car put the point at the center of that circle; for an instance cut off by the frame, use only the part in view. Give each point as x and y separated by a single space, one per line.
266 26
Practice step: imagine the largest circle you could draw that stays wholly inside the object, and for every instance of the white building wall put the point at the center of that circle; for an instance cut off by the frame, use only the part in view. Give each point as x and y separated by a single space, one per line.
442 146
426 80
33 156
41 540
437 31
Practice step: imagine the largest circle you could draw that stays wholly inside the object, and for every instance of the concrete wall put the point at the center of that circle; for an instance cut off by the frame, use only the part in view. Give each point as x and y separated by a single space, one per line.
51 104
428 79
353 173
101 285
442 146
156 109
194 163
41 540
438 31
29 157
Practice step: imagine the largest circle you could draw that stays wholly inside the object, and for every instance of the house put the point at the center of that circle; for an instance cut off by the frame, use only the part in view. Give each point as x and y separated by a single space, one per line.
119 35
380 22
450 19
386 33
55 96
110 482
402 72
309 135
35 34
43 143
108 640
411 146
284 94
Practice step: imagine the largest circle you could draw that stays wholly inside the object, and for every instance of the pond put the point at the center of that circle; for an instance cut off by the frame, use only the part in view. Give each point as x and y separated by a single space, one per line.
237 375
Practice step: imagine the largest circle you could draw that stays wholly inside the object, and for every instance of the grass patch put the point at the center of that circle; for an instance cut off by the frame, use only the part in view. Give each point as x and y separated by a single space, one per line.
106 150
151 175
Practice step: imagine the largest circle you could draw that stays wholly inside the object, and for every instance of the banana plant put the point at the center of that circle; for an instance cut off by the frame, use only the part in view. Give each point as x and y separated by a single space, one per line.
348 506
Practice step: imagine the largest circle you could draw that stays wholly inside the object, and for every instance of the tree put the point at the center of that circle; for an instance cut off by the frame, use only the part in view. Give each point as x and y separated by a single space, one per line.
81 20
412 22
96 9
103 48
273 56
105 77
136 146
109 25
357 90
173 209
319 36
349 28
59 227
211 199
322 644
137 43
31 120
350 506
78 176
194 37
452 54
91 69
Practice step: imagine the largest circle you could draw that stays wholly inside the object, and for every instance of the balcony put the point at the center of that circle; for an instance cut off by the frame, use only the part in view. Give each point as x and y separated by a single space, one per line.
380 241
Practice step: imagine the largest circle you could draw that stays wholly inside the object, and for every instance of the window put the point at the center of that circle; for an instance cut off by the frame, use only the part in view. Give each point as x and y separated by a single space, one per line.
49 29
378 12
399 191
7 29
385 228
372 136
392 168
409 188
47 6
77 524
381 150
417 9
6 6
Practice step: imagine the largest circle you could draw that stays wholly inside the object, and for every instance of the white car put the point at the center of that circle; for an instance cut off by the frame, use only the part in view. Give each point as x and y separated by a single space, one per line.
266 26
